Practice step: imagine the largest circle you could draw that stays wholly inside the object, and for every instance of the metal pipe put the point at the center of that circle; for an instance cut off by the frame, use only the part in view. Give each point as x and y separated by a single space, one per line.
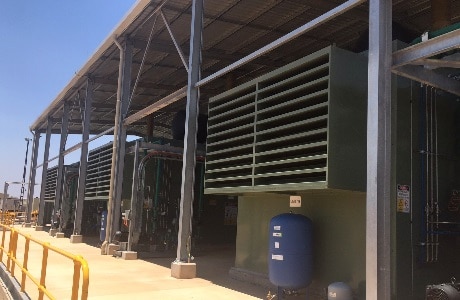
427 178
284 39
134 196
437 174
431 156
412 183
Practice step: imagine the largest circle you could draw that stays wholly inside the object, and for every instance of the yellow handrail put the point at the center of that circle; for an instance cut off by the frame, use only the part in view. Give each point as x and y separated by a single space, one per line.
80 264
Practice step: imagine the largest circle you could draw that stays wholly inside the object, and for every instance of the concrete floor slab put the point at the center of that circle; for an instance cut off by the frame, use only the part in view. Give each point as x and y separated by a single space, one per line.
114 278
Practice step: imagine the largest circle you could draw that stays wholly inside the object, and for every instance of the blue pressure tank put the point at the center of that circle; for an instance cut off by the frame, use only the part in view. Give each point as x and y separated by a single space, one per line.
290 257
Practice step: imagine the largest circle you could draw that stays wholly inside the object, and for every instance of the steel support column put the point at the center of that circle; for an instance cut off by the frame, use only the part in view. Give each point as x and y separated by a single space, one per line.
378 235
191 120
60 170
120 166
5 198
86 119
119 136
41 207
32 172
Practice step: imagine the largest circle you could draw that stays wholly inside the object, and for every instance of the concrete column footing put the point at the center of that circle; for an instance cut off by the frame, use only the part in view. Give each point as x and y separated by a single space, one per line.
112 248
182 270
76 238
129 255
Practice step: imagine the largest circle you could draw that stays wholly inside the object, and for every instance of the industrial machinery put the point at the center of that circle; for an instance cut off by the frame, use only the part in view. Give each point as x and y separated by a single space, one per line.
444 291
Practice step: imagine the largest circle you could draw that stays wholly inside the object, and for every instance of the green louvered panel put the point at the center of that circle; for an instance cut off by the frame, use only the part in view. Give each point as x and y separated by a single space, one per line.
98 173
273 133
50 188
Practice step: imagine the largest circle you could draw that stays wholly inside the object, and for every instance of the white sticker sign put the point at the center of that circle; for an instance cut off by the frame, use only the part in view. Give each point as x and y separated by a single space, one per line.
277 257
277 245
295 201
403 198
277 227
277 234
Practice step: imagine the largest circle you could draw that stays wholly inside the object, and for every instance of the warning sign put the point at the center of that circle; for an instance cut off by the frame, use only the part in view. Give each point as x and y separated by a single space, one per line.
403 199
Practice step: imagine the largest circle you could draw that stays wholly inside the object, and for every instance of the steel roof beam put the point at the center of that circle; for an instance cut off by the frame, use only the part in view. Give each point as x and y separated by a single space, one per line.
431 47
350 4
429 77
177 95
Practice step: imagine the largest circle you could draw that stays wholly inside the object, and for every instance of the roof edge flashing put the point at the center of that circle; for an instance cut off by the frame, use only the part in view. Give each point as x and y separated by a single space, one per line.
118 31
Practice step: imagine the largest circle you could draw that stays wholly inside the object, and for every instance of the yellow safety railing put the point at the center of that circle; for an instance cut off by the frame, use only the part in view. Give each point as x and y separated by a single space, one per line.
80 264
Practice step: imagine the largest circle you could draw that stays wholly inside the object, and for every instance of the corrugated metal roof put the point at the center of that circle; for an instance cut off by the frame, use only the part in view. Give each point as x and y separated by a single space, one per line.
232 29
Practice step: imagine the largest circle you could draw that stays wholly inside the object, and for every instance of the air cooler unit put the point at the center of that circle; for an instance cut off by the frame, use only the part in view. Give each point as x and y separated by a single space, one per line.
299 127
444 291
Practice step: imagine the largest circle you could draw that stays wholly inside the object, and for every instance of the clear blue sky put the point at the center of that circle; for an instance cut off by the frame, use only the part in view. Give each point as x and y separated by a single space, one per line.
42 44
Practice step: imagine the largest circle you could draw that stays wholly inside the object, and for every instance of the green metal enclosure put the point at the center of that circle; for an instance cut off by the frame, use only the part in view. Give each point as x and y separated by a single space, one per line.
301 130
425 183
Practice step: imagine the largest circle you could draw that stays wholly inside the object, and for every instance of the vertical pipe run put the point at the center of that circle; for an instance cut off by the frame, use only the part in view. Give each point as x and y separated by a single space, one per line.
191 124
86 120
134 196
378 215
427 170
41 209
437 176
412 184
32 172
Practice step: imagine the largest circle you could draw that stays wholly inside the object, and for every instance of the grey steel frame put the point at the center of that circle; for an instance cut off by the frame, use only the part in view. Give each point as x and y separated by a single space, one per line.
60 172
41 205
378 271
191 127
378 235
31 185
86 119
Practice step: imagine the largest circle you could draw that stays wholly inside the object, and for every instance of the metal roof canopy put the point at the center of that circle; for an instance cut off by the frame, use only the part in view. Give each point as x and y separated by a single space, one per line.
238 39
